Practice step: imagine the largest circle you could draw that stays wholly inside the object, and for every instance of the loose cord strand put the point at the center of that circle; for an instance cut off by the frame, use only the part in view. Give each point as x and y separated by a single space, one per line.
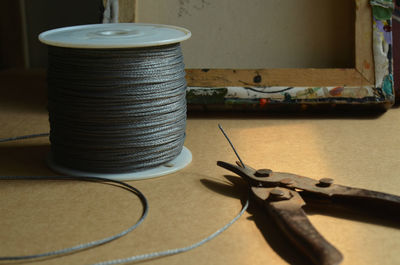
95 243
91 244
170 252
23 137
87 245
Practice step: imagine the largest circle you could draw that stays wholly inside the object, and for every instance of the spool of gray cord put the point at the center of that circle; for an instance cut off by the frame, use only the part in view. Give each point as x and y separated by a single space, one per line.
116 110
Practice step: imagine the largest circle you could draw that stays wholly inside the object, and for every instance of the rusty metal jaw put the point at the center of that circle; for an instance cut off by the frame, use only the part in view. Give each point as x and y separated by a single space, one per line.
285 207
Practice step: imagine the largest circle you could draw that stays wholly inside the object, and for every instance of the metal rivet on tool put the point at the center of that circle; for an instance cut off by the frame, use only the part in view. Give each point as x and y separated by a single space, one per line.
277 192
263 173
325 182
286 181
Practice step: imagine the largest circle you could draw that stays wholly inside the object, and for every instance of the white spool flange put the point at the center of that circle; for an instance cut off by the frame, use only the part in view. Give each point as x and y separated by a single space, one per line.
178 163
114 36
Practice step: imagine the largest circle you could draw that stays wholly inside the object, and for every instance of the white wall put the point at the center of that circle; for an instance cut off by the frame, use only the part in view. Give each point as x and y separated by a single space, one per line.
260 33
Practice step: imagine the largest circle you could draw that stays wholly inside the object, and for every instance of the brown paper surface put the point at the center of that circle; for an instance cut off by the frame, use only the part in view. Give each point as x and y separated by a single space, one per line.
189 205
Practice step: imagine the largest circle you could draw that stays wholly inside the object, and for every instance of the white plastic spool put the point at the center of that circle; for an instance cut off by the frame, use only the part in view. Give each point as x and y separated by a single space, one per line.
112 36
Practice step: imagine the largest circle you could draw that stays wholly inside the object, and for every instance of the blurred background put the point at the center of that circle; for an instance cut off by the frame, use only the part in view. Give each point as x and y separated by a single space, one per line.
226 33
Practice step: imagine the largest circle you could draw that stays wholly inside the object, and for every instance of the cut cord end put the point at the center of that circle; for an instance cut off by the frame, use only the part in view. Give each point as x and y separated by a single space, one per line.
234 150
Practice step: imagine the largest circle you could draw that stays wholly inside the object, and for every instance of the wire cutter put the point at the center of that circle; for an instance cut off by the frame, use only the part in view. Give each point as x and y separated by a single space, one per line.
282 195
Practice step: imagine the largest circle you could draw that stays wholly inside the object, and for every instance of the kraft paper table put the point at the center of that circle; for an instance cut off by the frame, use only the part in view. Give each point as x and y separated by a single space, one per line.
193 203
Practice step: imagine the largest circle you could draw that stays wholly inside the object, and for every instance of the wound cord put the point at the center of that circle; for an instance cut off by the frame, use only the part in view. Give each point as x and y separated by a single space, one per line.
116 110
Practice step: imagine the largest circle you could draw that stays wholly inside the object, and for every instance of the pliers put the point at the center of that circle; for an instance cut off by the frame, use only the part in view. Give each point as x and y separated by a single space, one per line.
282 195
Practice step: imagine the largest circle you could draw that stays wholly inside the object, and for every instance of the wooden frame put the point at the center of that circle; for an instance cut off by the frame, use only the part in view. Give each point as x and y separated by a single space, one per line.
362 74
368 82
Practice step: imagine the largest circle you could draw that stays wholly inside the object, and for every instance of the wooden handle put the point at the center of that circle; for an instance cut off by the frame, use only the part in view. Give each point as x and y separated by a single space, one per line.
293 221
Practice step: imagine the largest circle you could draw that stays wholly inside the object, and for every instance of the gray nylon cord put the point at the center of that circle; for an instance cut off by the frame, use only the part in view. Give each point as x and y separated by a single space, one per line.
95 243
88 244
23 137
116 110
102 180
170 252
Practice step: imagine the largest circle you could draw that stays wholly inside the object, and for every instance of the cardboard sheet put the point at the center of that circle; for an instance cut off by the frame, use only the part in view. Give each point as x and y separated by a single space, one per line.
189 205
